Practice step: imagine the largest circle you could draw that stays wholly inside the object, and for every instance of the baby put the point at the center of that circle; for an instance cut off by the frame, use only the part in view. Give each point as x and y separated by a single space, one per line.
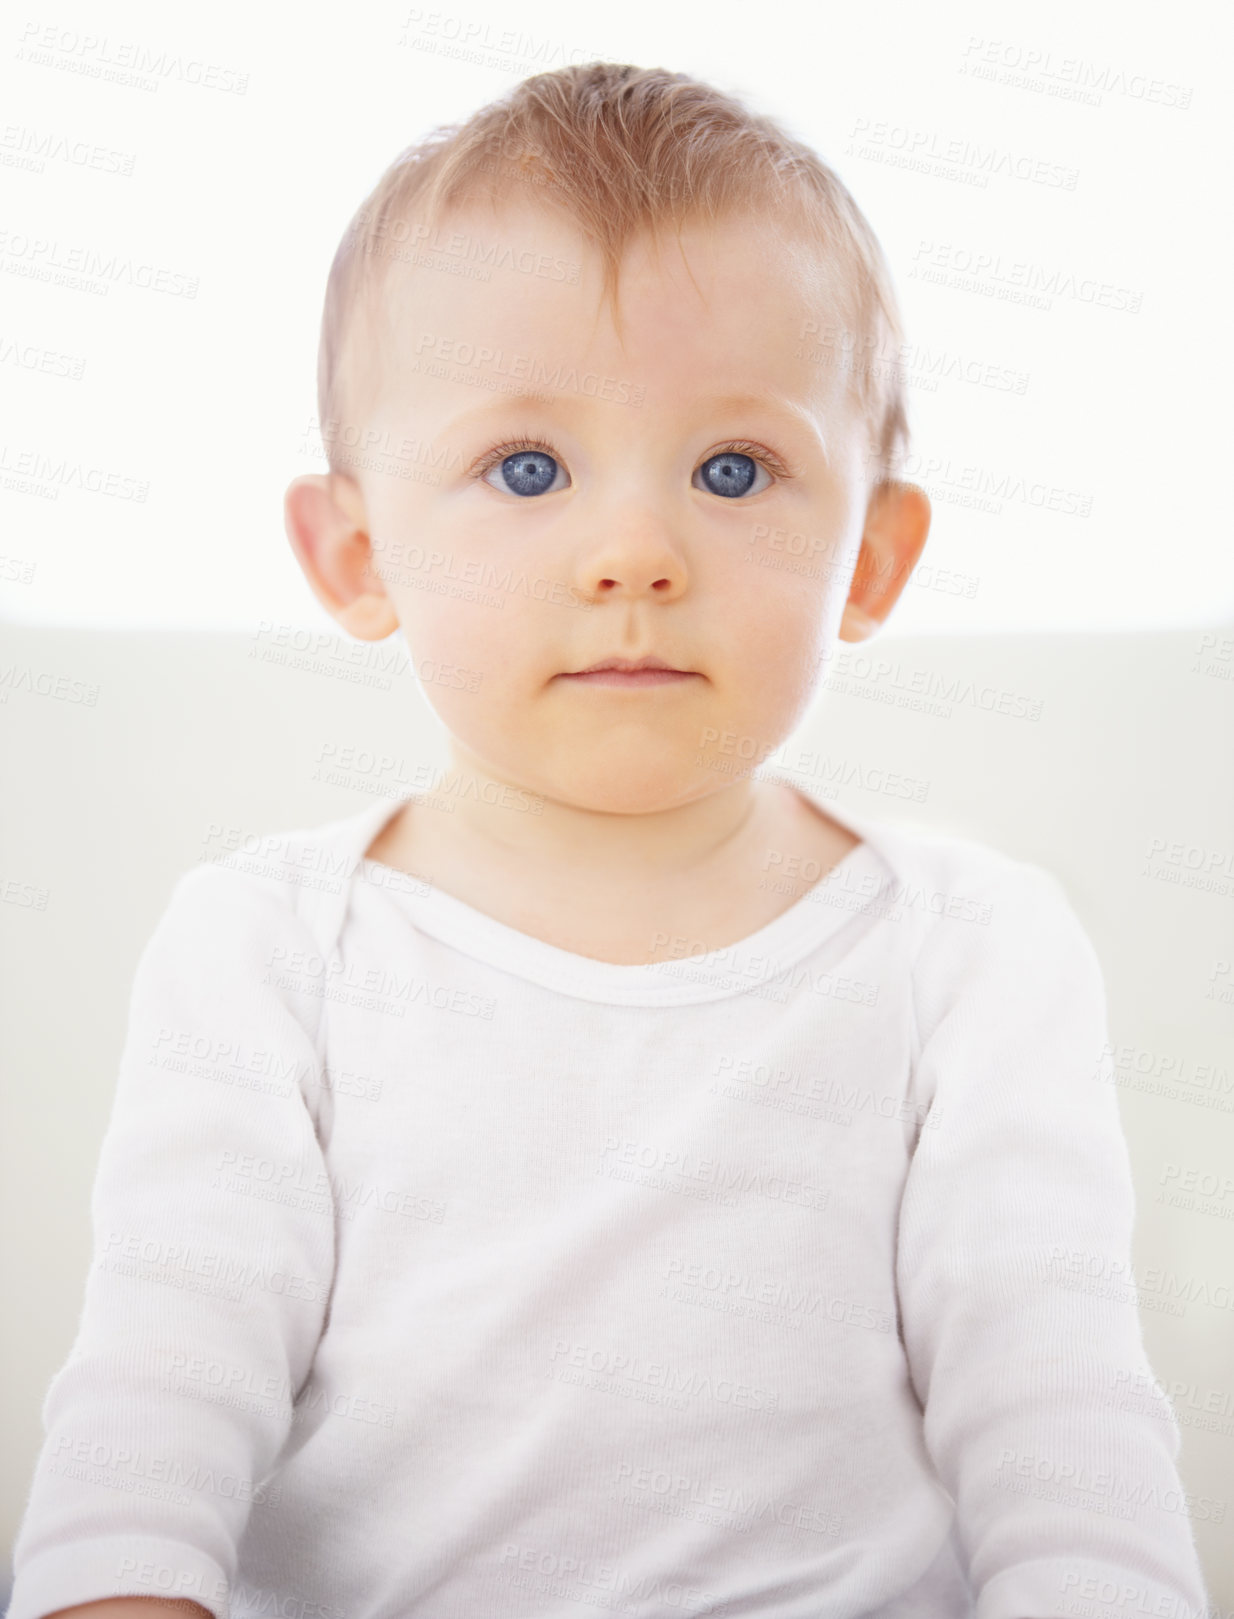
614 1178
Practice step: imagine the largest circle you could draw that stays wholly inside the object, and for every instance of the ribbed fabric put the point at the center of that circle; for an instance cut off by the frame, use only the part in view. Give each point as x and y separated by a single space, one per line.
441 1272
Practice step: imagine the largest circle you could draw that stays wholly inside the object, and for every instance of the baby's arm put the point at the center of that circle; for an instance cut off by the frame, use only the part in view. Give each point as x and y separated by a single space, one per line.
1014 1273
199 1285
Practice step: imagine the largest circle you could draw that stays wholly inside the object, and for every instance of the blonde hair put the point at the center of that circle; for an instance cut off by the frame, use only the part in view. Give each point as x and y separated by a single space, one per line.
622 149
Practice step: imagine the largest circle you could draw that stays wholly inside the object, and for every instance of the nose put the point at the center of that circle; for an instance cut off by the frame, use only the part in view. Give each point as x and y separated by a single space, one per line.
631 552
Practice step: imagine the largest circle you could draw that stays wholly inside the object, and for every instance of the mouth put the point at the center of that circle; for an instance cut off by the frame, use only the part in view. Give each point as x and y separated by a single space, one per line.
630 673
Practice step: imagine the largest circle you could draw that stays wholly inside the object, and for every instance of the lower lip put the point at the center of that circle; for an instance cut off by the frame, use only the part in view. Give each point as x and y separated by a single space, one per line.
632 677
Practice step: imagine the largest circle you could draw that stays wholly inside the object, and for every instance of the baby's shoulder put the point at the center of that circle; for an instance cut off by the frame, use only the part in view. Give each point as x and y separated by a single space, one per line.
959 856
994 943
965 895
290 883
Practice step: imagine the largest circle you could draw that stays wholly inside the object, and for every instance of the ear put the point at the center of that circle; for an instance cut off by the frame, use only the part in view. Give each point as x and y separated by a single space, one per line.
325 519
897 522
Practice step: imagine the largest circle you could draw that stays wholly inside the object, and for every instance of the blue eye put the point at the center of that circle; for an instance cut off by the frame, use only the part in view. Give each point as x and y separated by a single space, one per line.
529 469
729 473
526 472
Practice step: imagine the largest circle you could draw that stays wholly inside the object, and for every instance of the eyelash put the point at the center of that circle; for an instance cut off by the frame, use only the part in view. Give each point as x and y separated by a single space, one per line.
766 458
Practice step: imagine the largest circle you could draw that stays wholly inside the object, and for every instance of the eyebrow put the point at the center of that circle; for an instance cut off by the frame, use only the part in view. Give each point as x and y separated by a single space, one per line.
502 402
800 417
769 401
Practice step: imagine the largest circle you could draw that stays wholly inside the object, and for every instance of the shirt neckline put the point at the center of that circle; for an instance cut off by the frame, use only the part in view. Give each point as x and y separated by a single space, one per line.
751 965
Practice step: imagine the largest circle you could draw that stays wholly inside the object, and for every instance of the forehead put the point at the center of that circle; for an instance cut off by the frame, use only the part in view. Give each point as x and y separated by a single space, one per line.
736 305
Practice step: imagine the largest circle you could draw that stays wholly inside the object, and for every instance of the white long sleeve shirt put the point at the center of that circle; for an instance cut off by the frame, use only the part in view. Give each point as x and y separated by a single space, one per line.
441 1273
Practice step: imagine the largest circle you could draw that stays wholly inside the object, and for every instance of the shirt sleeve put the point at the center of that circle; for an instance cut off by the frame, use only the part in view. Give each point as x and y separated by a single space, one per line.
213 1257
1015 1282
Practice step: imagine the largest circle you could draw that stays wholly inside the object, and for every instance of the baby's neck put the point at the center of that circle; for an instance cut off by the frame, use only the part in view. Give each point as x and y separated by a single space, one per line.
615 913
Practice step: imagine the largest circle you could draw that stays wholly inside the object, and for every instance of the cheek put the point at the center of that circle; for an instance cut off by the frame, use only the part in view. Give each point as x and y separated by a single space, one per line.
470 656
775 637
437 624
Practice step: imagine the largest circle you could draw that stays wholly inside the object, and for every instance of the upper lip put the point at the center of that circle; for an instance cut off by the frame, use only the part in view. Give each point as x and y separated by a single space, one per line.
628 665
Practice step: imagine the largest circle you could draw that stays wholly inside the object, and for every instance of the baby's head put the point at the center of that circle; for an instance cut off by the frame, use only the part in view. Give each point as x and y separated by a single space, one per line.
600 379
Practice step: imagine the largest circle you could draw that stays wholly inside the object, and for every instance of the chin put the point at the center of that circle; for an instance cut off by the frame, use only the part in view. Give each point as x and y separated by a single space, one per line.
613 787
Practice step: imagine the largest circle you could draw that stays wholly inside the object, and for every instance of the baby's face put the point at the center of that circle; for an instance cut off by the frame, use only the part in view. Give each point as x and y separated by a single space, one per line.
693 489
